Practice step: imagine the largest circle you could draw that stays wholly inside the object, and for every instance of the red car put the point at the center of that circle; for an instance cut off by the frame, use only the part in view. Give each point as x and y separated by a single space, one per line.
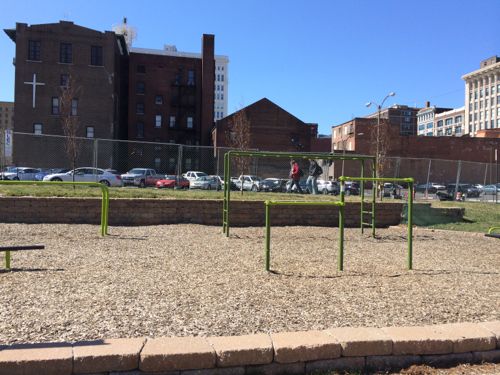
173 181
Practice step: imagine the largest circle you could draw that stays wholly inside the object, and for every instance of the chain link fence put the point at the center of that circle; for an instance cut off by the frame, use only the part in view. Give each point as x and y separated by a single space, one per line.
431 175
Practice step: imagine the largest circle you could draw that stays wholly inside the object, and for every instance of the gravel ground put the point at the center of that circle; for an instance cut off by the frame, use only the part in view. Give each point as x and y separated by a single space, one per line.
190 280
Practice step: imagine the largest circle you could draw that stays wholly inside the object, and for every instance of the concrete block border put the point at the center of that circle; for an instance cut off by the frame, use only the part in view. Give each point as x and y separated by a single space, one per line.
362 348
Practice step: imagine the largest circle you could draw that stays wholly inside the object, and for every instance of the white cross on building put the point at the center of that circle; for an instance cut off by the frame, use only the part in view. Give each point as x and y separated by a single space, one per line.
34 83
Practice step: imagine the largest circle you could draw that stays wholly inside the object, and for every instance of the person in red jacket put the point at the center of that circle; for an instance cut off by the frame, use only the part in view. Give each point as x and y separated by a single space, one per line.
295 176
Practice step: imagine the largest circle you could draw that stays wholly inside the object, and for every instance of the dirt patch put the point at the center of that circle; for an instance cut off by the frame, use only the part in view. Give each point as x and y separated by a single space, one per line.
186 279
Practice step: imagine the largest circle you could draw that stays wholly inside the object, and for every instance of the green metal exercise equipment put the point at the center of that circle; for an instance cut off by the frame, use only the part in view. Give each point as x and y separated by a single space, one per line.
104 189
268 205
409 181
491 234
289 155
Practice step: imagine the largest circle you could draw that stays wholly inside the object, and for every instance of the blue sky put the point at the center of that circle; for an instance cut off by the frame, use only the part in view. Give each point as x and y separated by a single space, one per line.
321 60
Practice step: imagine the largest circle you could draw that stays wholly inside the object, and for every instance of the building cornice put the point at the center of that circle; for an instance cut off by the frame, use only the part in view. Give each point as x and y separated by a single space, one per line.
494 68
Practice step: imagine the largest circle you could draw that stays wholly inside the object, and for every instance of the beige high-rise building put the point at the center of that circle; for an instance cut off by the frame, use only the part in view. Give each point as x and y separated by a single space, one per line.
482 97
6 128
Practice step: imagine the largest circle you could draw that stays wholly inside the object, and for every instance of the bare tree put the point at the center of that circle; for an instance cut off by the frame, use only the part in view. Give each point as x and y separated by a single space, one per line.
68 111
380 140
238 137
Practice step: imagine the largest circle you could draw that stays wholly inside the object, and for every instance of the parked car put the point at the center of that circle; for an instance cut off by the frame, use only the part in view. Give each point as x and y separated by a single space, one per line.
19 173
232 184
392 190
250 182
351 188
491 189
275 185
466 190
328 187
431 187
40 175
205 183
191 175
86 174
174 182
141 177
302 184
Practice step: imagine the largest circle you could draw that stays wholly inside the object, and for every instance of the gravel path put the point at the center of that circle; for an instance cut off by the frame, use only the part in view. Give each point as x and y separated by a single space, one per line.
190 280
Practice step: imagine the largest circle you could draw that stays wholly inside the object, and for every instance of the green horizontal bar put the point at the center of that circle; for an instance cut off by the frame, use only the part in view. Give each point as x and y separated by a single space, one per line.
378 179
303 203
324 156
368 212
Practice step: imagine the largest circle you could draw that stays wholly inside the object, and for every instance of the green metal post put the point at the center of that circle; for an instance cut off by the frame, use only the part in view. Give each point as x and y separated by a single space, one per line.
228 203
224 202
268 238
341 237
410 225
7 259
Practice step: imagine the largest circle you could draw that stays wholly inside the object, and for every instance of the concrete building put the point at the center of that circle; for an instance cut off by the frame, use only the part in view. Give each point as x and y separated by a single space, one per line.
221 76
449 123
426 123
6 126
482 97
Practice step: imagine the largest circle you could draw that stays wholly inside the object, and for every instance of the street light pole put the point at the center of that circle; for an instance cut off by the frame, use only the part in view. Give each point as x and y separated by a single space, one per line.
377 140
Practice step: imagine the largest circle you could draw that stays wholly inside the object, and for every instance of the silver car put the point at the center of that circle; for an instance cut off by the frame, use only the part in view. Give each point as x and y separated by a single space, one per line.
19 173
205 183
87 174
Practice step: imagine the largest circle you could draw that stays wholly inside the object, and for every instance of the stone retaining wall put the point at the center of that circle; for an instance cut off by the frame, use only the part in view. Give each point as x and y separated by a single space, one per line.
164 211
352 349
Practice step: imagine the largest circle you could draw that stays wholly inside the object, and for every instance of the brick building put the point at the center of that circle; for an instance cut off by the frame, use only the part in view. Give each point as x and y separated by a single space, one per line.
48 57
401 117
271 128
171 97
119 95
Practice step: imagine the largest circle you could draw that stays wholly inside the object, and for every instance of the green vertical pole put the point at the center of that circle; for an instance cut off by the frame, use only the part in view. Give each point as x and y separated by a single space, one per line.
268 237
107 210
7 259
103 212
228 200
224 202
341 238
362 195
374 190
410 226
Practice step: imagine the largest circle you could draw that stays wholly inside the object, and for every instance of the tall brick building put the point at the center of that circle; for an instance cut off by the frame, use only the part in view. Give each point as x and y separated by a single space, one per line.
118 94
48 56
171 97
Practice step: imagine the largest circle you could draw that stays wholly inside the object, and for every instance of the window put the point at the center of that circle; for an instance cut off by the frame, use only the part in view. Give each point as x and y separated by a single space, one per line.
440 123
55 105
440 133
37 128
458 119
448 131
139 108
90 132
172 122
430 125
158 99
222 77
157 163
141 69
34 50
74 107
140 130
158 121
190 123
448 121
190 81
64 80
66 53
458 130
140 88
96 56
